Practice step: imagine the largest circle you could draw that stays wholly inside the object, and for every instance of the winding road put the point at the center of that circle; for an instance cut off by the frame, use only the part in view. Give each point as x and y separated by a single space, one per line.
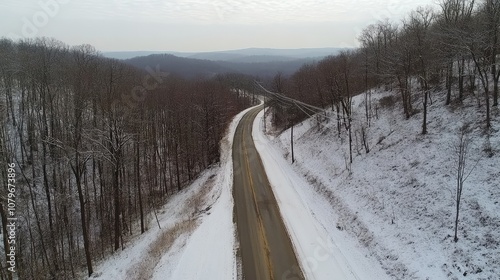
265 247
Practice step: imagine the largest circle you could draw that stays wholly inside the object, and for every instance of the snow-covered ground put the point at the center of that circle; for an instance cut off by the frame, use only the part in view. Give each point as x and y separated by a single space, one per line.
322 253
197 235
397 205
391 217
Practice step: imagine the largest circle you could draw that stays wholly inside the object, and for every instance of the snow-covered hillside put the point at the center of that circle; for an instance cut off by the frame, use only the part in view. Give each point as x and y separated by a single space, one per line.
322 253
391 217
197 235
398 200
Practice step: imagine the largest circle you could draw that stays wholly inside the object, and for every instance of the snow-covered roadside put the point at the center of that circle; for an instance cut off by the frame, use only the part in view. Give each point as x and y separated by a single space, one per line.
200 218
322 254
210 252
398 200
128 264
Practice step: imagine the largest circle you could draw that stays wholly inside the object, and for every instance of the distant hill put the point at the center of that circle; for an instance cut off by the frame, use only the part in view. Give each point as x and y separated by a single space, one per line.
194 68
261 58
241 55
132 54
214 56
267 69
259 62
184 67
286 54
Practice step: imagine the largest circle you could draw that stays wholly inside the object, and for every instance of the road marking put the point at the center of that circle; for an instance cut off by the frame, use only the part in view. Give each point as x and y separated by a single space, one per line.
261 225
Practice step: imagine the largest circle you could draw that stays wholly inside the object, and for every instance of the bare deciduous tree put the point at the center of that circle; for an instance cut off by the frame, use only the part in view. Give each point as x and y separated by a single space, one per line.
462 148
91 166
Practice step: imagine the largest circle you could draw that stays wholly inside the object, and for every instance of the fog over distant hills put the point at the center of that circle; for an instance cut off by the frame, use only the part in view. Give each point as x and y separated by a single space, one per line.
262 62
232 55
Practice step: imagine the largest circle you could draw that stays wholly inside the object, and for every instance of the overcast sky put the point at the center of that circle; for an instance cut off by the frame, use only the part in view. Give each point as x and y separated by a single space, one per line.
198 25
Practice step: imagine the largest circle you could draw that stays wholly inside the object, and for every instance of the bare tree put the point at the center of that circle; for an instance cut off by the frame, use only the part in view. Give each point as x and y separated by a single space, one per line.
80 155
452 23
462 152
482 45
346 87
491 14
84 58
417 29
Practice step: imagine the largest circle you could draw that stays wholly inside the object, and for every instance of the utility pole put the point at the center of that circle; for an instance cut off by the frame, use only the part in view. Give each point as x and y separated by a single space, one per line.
290 119
264 118
291 140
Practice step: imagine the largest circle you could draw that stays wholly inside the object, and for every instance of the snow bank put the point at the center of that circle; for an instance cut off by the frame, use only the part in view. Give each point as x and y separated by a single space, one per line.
206 251
126 264
398 201
210 252
322 255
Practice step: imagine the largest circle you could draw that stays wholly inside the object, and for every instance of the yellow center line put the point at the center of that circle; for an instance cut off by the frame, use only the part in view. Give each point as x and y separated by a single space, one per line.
261 226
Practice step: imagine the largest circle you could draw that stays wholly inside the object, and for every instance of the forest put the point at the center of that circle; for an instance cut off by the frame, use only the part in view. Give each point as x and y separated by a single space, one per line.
452 50
448 55
97 146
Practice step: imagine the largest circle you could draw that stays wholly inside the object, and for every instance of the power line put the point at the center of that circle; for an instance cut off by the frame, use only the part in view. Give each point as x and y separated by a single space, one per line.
313 109
291 100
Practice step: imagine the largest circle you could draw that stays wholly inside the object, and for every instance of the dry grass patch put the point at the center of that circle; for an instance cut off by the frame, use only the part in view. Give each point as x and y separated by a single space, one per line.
144 269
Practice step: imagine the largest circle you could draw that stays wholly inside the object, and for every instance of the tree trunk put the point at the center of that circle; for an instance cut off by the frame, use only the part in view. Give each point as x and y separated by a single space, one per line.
86 241
461 73
449 77
139 191
178 173
494 53
495 88
455 239
404 96
291 143
116 198
424 123
485 82
49 209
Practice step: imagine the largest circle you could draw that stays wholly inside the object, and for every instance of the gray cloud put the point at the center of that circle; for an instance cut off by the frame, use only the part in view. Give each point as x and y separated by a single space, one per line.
204 24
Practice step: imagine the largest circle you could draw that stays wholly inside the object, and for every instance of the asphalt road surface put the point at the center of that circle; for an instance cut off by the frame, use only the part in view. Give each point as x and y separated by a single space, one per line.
265 247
